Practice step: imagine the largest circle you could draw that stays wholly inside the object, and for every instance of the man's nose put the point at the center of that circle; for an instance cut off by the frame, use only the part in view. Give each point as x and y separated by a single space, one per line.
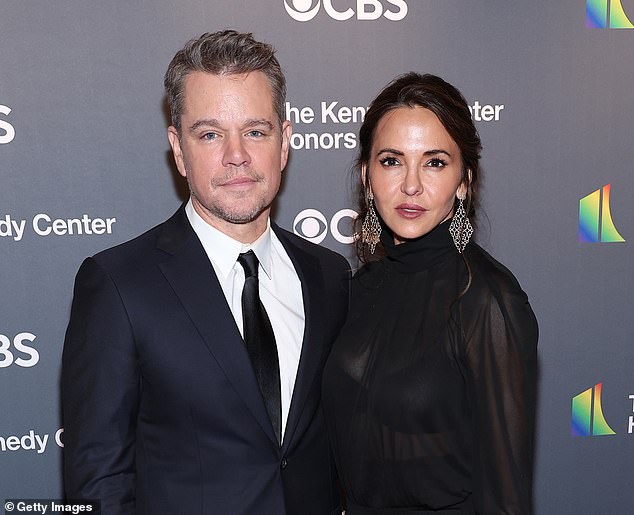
235 152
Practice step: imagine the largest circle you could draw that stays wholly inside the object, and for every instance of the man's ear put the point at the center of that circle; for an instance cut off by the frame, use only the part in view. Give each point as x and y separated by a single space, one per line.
287 131
175 143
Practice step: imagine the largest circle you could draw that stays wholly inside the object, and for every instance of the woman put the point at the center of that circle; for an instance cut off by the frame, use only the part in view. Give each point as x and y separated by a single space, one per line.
430 389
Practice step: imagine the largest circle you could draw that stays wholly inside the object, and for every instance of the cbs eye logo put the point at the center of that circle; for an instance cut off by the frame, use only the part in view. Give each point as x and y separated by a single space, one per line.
303 10
313 226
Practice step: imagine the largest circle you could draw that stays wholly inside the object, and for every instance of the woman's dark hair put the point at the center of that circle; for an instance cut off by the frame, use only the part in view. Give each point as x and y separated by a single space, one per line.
448 104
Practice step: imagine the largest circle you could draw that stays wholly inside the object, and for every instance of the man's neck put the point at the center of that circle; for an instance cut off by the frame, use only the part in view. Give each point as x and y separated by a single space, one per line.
246 232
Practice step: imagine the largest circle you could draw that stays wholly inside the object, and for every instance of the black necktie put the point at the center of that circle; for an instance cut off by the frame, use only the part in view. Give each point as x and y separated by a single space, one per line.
260 341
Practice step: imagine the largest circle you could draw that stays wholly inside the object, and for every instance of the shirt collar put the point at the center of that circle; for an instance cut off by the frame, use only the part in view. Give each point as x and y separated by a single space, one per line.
262 249
223 250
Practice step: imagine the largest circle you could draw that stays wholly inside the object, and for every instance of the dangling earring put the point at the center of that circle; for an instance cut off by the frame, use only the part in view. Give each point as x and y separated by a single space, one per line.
371 228
460 228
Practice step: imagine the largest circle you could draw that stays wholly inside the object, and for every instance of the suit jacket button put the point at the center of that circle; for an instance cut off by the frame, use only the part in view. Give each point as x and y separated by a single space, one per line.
284 463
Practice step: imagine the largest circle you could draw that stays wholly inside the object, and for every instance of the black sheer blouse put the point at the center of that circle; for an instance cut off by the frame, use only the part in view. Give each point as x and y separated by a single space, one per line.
429 395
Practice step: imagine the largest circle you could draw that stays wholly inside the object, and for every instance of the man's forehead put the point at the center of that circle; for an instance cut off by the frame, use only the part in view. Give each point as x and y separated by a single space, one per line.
254 78
253 83
236 92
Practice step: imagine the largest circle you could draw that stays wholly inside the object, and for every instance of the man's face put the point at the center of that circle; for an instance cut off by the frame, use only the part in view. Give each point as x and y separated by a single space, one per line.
231 150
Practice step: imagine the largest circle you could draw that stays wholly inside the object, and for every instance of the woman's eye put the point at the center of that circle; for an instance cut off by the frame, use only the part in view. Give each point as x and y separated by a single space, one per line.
436 163
389 161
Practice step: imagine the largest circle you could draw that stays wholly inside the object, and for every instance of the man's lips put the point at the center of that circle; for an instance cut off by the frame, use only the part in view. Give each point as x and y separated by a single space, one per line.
410 210
239 182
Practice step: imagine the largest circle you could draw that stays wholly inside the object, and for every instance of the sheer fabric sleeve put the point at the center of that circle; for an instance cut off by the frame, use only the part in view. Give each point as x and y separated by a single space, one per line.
501 369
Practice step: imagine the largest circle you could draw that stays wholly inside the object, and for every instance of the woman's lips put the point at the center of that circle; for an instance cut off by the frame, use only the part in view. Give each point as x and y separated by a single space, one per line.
410 211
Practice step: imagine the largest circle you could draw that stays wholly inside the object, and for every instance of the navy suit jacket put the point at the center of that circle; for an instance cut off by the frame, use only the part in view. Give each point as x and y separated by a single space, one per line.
162 411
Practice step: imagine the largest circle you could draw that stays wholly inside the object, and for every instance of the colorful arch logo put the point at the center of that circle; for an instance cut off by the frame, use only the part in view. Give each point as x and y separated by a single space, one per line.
606 14
587 414
595 218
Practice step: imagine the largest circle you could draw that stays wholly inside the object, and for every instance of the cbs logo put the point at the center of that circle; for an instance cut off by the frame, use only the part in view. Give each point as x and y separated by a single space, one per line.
303 10
313 226
6 127
58 437
7 357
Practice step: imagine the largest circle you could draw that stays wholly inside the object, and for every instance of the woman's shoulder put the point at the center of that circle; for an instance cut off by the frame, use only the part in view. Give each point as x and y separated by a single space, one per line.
496 304
489 275
368 276
494 290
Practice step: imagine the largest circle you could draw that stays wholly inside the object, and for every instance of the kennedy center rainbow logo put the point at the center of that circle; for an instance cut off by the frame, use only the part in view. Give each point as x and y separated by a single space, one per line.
606 14
595 218
587 414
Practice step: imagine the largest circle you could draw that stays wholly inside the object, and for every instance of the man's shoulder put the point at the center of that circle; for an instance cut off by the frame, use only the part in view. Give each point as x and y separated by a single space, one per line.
138 250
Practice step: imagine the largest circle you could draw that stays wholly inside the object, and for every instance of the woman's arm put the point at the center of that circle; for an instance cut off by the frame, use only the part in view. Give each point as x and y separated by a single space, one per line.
501 357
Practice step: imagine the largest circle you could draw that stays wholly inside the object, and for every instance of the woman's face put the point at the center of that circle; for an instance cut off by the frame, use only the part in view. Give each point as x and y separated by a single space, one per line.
414 171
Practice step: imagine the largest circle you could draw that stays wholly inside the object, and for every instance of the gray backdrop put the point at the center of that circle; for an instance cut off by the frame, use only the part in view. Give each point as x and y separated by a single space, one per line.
82 132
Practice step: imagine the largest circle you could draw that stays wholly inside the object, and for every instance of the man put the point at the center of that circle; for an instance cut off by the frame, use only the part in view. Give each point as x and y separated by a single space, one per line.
183 392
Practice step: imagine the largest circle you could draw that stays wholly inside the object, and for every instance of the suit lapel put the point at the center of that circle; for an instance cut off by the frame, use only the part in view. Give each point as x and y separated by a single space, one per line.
309 273
194 281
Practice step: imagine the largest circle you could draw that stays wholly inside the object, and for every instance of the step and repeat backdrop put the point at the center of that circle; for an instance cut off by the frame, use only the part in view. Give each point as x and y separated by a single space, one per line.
85 164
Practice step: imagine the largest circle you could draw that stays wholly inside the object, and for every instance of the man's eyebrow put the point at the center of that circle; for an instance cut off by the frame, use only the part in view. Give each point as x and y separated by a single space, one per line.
213 122
258 122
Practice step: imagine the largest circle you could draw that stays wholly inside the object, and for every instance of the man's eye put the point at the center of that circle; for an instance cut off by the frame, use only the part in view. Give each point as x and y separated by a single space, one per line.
255 134
209 136
389 161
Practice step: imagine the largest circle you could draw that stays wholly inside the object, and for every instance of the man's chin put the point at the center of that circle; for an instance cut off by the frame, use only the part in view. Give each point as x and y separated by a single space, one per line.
242 216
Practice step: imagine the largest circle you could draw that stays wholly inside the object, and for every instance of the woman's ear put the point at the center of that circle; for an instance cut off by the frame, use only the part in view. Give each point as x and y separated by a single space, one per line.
461 192
365 180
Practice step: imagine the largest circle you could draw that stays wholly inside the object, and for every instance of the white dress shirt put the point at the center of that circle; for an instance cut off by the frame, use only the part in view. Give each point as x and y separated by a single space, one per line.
280 291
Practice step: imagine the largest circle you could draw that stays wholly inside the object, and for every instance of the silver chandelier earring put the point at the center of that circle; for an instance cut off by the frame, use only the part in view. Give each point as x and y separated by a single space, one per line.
371 227
460 228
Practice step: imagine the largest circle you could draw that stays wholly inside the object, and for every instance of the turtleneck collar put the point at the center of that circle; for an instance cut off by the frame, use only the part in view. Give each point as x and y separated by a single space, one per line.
421 253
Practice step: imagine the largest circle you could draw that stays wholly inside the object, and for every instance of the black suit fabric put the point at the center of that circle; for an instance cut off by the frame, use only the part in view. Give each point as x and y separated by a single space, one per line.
162 410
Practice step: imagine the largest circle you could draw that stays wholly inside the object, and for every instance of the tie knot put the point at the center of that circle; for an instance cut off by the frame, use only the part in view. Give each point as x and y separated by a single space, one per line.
249 262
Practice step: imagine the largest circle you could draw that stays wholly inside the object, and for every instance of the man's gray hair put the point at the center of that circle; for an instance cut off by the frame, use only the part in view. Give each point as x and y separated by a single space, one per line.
227 52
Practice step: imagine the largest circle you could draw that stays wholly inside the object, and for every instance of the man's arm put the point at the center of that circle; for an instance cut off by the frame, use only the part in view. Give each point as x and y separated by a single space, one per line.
100 395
